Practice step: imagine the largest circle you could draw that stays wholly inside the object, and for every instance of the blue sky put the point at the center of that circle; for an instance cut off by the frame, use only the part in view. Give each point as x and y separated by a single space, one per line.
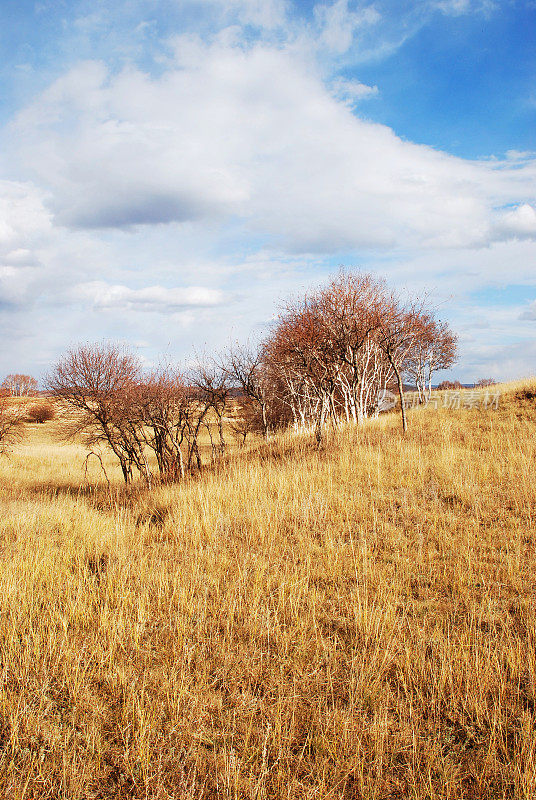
170 171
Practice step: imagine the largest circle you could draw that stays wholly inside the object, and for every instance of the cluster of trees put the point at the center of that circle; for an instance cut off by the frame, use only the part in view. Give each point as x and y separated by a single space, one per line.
114 403
481 383
333 355
19 385
330 358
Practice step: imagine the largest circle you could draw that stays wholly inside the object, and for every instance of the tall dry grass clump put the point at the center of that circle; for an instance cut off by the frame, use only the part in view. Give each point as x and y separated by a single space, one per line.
351 622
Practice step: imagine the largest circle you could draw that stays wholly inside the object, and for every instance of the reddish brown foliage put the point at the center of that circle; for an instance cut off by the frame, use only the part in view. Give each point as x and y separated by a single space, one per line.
40 412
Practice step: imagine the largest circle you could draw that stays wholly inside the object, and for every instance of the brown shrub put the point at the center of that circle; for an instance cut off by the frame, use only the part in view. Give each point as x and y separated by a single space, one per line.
41 412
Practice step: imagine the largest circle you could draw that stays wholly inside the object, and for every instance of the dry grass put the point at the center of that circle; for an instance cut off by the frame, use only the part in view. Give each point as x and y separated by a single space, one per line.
357 622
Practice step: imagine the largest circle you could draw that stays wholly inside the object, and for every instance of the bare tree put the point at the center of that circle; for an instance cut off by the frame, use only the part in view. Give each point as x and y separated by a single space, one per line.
97 383
327 360
168 418
350 312
174 409
213 386
244 369
300 355
433 349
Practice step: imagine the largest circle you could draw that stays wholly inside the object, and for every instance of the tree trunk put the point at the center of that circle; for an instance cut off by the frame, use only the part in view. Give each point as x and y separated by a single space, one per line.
401 395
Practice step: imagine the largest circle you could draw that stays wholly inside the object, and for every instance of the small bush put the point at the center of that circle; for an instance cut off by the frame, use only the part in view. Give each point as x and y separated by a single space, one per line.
40 412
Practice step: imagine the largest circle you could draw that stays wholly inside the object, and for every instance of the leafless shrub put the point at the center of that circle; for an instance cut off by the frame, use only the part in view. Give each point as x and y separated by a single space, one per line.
40 412
170 414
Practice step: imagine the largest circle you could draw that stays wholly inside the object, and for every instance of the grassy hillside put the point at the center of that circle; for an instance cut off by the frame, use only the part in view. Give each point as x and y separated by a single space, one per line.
355 622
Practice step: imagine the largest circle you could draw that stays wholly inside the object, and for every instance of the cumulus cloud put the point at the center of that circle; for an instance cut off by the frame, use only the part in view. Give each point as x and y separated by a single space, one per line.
519 222
242 162
151 298
126 152
37 258
252 133
20 257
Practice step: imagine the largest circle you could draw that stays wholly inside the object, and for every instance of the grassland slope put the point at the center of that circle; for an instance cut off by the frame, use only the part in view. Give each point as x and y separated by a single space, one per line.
354 622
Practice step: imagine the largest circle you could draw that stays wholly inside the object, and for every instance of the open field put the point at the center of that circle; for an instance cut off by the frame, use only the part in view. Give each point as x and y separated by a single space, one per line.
354 622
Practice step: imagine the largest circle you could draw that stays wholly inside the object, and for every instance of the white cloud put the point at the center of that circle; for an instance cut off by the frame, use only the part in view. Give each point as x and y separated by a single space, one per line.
151 298
25 227
351 91
339 25
20 257
502 361
254 134
519 222
14 285
242 172
23 219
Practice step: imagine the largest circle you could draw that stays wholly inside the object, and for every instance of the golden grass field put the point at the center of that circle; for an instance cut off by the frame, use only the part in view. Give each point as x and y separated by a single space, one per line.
354 622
